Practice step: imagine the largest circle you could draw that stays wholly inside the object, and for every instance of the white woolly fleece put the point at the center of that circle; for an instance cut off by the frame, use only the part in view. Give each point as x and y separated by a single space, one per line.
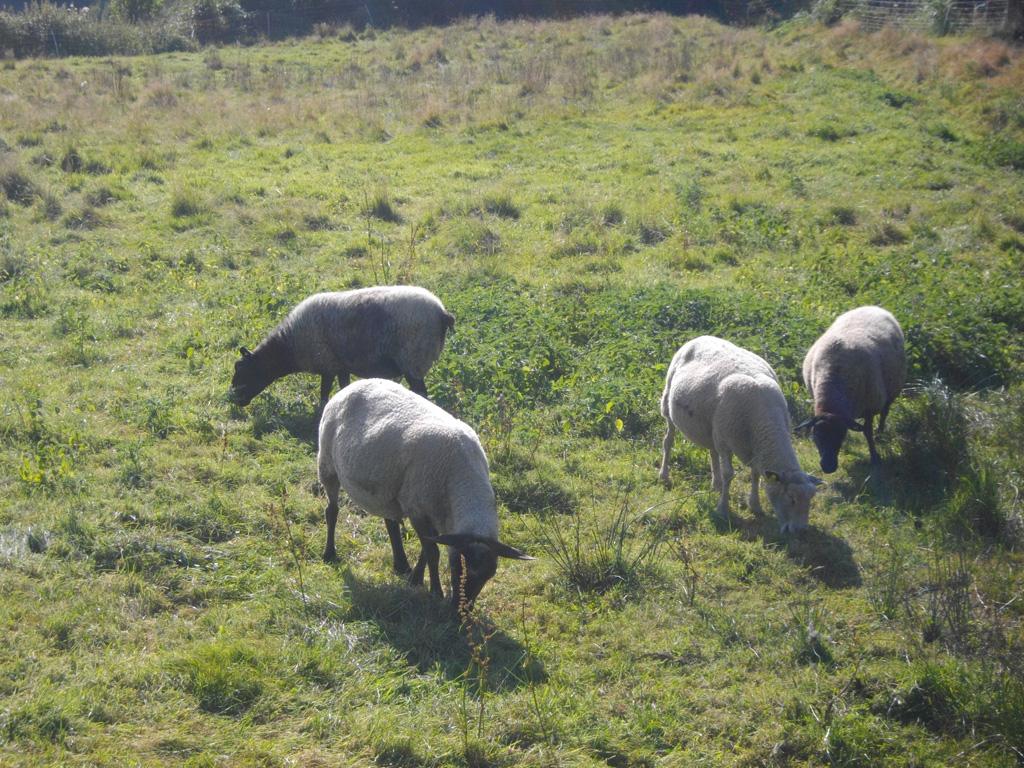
398 455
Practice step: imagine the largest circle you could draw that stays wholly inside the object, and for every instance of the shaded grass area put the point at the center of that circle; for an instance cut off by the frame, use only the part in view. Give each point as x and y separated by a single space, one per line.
584 196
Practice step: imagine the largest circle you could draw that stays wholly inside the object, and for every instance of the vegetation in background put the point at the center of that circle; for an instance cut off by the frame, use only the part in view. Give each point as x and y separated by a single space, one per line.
585 196
128 27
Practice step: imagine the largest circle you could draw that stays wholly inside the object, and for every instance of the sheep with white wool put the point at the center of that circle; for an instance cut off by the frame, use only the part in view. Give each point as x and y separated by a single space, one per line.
727 399
854 370
397 456
385 331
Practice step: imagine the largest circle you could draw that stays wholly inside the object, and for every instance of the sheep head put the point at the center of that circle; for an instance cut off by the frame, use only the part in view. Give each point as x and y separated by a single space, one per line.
790 494
472 561
828 430
249 380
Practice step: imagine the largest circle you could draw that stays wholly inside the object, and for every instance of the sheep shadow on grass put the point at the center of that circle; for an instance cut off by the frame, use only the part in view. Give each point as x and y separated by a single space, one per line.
427 632
828 558
877 482
298 418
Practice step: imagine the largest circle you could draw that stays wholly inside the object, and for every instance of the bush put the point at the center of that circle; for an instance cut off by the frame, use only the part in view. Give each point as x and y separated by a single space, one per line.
827 12
965 340
932 434
940 468
217 21
43 29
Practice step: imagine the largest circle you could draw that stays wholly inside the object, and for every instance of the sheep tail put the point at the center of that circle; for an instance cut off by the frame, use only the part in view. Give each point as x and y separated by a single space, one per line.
449 321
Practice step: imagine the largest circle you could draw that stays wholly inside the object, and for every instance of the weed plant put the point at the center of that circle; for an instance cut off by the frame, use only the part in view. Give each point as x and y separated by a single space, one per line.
598 557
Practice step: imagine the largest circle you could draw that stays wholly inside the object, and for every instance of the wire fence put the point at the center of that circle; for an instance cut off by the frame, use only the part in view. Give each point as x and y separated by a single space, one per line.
938 16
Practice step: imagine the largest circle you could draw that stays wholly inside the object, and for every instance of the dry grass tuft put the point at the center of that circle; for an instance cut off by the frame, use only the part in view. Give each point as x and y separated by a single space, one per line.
15 184
983 58
160 96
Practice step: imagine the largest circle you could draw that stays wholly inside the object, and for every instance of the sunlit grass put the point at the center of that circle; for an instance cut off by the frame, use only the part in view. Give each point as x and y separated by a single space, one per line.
584 196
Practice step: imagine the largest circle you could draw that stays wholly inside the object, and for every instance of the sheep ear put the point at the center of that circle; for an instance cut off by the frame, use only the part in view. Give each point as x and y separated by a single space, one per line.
462 539
453 539
856 426
245 352
772 477
504 550
814 480
808 424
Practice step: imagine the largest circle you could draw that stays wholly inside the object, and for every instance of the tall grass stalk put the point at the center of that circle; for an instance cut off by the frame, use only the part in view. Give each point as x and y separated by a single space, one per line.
293 546
477 634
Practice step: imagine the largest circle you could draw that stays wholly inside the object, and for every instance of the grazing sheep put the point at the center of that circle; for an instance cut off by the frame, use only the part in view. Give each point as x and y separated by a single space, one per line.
855 369
386 331
727 399
398 455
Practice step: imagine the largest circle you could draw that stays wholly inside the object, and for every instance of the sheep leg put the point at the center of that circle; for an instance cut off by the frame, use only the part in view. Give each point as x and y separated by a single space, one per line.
331 516
343 380
398 558
666 454
429 556
325 389
755 499
869 433
419 386
726 473
716 472
883 417
433 554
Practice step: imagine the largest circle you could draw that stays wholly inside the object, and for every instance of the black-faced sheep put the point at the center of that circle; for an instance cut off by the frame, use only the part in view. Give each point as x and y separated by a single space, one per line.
727 399
854 370
386 331
397 455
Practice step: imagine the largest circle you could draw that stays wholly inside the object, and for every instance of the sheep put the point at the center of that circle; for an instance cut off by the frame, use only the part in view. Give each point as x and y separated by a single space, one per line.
398 455
855 369
386 331
727 399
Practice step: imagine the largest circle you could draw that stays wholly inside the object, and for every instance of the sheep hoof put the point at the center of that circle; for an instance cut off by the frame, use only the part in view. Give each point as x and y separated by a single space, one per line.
330 556
403 570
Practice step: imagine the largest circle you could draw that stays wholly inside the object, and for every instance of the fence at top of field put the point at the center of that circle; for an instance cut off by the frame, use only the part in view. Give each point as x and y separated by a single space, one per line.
941 16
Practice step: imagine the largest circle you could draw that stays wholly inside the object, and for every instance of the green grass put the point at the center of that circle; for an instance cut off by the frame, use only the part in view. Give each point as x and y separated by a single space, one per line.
585 196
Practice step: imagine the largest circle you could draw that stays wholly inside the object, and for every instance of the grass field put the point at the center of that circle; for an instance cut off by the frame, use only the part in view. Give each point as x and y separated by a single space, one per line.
584 196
